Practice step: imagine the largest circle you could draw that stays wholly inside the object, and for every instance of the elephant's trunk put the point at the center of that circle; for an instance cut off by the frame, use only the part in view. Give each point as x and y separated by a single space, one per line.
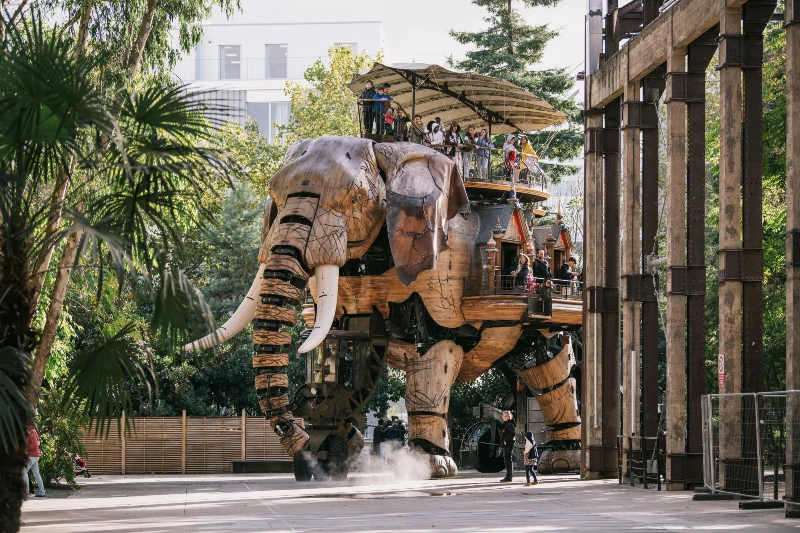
283 279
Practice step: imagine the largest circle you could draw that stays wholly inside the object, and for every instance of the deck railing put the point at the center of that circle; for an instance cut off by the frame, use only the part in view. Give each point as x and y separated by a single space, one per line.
487 285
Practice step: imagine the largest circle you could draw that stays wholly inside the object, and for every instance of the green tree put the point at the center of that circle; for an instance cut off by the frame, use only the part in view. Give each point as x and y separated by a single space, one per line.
329 106
510 49
144 167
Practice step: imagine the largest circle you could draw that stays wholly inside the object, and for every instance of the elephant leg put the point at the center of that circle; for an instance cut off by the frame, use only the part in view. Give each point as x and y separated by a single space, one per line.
281 287
428 381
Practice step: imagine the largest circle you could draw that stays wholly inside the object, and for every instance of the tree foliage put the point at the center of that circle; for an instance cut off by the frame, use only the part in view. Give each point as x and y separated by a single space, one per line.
510 49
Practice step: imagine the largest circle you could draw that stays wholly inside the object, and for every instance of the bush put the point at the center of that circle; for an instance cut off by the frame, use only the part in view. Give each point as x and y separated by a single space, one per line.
60 431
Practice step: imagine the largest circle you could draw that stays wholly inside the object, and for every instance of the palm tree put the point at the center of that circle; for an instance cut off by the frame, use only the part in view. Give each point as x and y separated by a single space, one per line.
140 164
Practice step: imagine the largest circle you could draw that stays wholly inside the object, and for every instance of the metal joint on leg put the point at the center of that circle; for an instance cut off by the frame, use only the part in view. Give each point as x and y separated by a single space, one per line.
686 87
686 280
793 236
741 264
638 288
744 51
601 140
640 115
602 299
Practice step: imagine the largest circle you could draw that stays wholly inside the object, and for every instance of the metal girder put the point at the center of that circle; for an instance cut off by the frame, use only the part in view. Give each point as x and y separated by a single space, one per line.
638 288
740 264
686 280
641 115
604 140
793 258
686 87
602 299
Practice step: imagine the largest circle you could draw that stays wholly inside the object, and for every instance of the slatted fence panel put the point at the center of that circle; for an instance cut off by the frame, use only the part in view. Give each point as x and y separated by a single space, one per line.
154 445
103 455
261 441
212 443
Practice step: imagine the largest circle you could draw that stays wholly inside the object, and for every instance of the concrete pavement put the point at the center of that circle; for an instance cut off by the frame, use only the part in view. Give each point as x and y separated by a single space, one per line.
378 502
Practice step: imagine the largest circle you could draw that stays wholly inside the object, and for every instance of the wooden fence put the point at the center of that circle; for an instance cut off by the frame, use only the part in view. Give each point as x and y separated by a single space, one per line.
181 444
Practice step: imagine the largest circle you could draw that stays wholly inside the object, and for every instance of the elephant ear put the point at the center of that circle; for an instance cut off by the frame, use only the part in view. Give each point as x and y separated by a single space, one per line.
423 192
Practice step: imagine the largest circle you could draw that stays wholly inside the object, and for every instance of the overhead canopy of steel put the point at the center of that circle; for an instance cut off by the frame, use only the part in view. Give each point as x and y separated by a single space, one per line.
466 97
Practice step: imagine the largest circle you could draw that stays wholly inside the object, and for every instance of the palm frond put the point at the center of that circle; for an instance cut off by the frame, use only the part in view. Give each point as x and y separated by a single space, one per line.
180 310
15 368
100 376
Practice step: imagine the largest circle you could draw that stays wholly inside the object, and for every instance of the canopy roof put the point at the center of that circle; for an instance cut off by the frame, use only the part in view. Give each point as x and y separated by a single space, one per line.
466 97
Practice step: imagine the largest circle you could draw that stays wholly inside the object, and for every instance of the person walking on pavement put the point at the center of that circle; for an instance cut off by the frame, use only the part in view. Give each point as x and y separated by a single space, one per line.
34 453
507 433
531 459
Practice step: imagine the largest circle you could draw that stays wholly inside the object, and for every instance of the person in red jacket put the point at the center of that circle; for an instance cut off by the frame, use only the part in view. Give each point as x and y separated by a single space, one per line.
34 452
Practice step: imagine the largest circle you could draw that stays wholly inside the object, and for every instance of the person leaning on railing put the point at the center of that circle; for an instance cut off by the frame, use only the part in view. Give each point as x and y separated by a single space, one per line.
416 131
379 107
528 159
482 156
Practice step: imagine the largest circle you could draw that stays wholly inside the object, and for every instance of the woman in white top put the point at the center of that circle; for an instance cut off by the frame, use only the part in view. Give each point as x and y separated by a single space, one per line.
530 463
435 136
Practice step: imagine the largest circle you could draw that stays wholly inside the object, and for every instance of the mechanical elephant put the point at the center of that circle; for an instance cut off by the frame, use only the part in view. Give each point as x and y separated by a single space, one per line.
332 201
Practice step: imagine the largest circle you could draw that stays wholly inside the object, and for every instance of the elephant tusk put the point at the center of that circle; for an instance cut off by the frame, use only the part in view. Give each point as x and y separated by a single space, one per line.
327 280
236 323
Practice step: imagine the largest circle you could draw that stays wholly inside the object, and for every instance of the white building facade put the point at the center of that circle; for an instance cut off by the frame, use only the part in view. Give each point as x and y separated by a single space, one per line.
244 62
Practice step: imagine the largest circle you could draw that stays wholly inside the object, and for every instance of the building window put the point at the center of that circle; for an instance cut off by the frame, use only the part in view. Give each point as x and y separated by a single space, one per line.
277 60
352 46
230 62
269 115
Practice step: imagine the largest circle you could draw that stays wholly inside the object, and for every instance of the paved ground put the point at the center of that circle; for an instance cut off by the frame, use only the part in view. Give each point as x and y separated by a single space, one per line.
375 502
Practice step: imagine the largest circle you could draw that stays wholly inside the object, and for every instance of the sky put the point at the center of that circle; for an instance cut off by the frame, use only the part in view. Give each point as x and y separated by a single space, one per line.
418 29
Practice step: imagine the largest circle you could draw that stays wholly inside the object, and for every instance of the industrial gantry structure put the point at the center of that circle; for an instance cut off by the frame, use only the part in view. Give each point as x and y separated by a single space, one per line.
634 55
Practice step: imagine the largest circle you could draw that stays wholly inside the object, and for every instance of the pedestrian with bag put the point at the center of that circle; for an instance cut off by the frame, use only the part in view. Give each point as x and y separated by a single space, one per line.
531 459
34 453
507 434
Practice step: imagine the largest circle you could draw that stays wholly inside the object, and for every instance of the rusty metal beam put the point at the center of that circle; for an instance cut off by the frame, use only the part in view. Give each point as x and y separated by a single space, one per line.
700 53
610 353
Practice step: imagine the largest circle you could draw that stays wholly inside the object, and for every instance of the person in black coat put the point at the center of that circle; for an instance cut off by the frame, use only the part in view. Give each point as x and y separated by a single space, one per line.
521 272
507 434
366 107
566 272
541 268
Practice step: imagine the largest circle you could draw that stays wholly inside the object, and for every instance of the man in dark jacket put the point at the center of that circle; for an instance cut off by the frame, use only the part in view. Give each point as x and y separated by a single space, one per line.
366 106
377 438
566 271
541 268
507 434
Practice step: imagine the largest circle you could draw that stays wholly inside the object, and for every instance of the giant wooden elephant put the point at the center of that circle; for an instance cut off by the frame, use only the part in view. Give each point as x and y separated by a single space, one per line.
375 230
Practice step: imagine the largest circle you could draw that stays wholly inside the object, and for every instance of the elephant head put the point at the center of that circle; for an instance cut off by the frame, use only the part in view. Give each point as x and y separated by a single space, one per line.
327 205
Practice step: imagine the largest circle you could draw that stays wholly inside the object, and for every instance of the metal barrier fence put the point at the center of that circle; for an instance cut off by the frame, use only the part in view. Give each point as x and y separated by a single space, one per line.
745 440
641 458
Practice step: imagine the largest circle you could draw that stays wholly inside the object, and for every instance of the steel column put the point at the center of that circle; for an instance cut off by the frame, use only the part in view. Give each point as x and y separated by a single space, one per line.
610 352
700 53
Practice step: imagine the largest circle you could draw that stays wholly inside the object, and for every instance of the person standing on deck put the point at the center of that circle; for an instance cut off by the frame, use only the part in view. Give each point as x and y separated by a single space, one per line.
379 108
528 159
541 268
467 149
483 143
453 140
366 106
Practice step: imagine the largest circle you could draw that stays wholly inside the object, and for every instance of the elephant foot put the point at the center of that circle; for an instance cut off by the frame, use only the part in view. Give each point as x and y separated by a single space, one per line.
442 466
